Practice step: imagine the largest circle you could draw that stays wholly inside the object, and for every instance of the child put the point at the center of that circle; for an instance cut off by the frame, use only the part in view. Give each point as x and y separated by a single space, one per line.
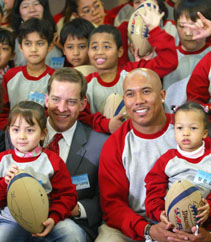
28 82
189 51
105 47
27 128
74 40
24 10
7 46
193 153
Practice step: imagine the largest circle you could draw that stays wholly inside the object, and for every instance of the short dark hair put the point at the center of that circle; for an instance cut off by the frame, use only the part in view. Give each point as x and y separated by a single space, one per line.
36 25
191 7
17 20
71 75
29 110
7 37
110 29
192 106
79 28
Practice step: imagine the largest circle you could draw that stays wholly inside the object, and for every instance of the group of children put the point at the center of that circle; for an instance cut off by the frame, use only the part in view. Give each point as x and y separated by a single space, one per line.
82 43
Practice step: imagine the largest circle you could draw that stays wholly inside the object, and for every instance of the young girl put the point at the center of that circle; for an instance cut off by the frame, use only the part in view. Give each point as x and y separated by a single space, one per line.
193 155
27 129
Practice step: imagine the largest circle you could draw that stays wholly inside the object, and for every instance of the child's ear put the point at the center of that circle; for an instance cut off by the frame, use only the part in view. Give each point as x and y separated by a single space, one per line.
12 56
205 134
44 133
120 52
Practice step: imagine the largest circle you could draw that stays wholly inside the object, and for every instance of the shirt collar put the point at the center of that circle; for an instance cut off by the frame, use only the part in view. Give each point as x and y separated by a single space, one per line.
67 135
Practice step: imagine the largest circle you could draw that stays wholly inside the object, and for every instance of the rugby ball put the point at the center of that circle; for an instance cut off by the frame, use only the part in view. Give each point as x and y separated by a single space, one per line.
86 69
138 31
114 105
28 202
181 203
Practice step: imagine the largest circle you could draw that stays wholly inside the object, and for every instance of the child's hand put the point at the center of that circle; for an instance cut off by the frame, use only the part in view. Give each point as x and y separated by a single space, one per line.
204 212
152 16
13 170
116 122
48 224
163 217
201 28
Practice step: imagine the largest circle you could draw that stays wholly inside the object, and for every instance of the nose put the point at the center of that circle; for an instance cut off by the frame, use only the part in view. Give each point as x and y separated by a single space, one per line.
34 47
22 135
75 51
188 31
31 8
186 132
139 99
62 106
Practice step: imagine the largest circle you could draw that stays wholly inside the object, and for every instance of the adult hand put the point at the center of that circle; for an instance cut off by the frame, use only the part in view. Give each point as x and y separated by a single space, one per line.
116 122
48 224
203 235
160 232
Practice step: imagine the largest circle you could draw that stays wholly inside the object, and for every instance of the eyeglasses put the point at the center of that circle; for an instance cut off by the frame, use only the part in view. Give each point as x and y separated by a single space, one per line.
90 9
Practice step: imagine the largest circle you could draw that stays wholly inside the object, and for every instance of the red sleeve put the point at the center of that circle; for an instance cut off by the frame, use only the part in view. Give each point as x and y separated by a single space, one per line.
63 197
57 17
114 189
123 30
156 185
3 186
199 83
165 61
96 120
111 14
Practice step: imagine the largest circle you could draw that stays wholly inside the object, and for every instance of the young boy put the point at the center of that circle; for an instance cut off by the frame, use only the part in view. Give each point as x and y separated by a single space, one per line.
189 51
7 46
28 82
105 47
74 40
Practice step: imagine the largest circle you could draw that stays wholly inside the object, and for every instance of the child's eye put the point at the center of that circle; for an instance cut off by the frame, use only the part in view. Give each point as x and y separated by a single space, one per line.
30 130
82 46
5 48
193 128
94 47
86 11
27 43
107 47
41 43
15 130
179 128
70 47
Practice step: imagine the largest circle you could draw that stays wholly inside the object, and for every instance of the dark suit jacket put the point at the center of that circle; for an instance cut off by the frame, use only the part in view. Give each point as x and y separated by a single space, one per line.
83 158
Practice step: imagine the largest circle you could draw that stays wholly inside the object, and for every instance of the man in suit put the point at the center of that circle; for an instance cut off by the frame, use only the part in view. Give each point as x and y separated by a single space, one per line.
79 147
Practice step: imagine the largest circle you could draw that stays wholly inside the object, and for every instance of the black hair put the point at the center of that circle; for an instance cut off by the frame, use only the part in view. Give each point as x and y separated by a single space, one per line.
36 25
17 20
69 8
79 28
192 106
7 37
191 7
110 29
1 11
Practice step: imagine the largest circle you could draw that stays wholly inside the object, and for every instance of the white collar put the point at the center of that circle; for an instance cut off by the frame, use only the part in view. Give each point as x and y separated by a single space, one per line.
67 135
193 154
